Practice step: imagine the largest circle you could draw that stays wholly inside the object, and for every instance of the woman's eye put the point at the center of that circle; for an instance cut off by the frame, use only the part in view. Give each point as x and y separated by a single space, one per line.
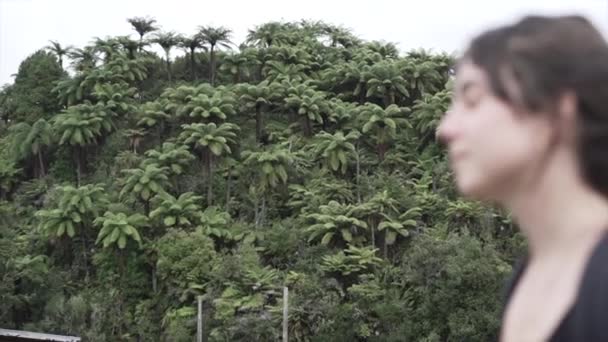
471 101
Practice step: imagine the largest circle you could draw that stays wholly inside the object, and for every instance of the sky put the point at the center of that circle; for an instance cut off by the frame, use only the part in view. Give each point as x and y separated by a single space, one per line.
440 25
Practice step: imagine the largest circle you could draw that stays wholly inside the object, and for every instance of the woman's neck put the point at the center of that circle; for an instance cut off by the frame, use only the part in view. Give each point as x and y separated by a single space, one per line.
559 212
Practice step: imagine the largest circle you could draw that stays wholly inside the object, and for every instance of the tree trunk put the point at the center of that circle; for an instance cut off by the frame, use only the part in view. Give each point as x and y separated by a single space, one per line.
258 122
382 148
358 173
84 253
362 98
209 178
385 246
389 98
228 184
192 64
256 214
169 69
263 210
212 63
373 231
78 164
154 279
41 161
307 126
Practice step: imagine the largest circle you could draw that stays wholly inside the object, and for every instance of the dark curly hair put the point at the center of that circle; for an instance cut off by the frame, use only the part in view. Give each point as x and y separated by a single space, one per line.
546 56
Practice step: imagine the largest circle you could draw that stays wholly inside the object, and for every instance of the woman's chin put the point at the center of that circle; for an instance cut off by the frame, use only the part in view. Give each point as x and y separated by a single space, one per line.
472 189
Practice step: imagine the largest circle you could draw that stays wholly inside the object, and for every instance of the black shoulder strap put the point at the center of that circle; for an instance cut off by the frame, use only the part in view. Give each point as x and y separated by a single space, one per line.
590 315
518 270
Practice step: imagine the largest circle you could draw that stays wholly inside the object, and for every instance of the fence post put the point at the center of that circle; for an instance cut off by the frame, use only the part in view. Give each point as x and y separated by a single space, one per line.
285 312
199 320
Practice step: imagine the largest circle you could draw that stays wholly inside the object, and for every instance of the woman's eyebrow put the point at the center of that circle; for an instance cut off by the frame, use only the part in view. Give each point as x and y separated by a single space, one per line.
465 87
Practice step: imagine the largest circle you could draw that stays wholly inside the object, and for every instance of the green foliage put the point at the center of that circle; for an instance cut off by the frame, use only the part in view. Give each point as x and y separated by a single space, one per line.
210 137
118 229
271 166
76 207
34 81
335 221
176 212
316 151
172 156
145 182
351 261
335 149
184 258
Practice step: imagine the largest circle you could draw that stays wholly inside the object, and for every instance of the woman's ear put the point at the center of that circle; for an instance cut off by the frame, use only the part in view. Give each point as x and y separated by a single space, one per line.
567 107
566 116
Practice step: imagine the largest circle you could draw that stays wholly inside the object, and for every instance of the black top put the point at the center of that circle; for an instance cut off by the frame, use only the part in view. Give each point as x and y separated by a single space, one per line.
587 318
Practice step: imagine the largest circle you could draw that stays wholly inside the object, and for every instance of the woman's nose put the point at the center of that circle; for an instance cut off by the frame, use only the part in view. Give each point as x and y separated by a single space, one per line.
445 130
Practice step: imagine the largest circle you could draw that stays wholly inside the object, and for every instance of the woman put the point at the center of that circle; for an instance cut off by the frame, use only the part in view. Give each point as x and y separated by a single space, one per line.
528 130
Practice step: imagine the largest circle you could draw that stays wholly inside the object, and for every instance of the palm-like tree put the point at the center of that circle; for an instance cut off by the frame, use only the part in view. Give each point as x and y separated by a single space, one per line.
214 108
9 176
31 141
73 213
142 26
383 124
237 64
190 44
212 141
122 68
119 228
257 98
182 211
267 35
145 182
427 113
215 37
276 71
423 76
167 41
310 107
135 137
172 156
340 35
116 98
270 170
153 115
83 58
336 149
334 221
383 49
108 47
380 212
129 45
270 165
78 128
59 51
216 223
384 80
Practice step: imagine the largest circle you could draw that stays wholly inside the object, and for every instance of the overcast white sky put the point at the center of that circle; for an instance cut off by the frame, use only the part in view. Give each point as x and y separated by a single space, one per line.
27 25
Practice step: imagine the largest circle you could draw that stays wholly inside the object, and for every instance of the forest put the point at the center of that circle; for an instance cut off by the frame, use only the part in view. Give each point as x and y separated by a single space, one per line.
133 182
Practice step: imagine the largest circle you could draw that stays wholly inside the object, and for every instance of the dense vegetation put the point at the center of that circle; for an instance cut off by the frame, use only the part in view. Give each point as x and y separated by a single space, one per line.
304 157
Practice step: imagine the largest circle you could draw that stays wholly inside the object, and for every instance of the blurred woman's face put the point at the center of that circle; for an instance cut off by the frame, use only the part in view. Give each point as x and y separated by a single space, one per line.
493 150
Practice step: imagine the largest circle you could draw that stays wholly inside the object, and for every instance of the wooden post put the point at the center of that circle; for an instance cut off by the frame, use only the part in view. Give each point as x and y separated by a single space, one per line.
285 312
199 321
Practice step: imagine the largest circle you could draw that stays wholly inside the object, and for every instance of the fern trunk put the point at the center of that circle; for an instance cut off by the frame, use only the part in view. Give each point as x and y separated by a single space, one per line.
209 165
41 162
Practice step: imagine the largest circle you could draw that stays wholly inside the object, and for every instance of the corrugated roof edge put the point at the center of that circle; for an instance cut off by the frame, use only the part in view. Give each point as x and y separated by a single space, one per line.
38 336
